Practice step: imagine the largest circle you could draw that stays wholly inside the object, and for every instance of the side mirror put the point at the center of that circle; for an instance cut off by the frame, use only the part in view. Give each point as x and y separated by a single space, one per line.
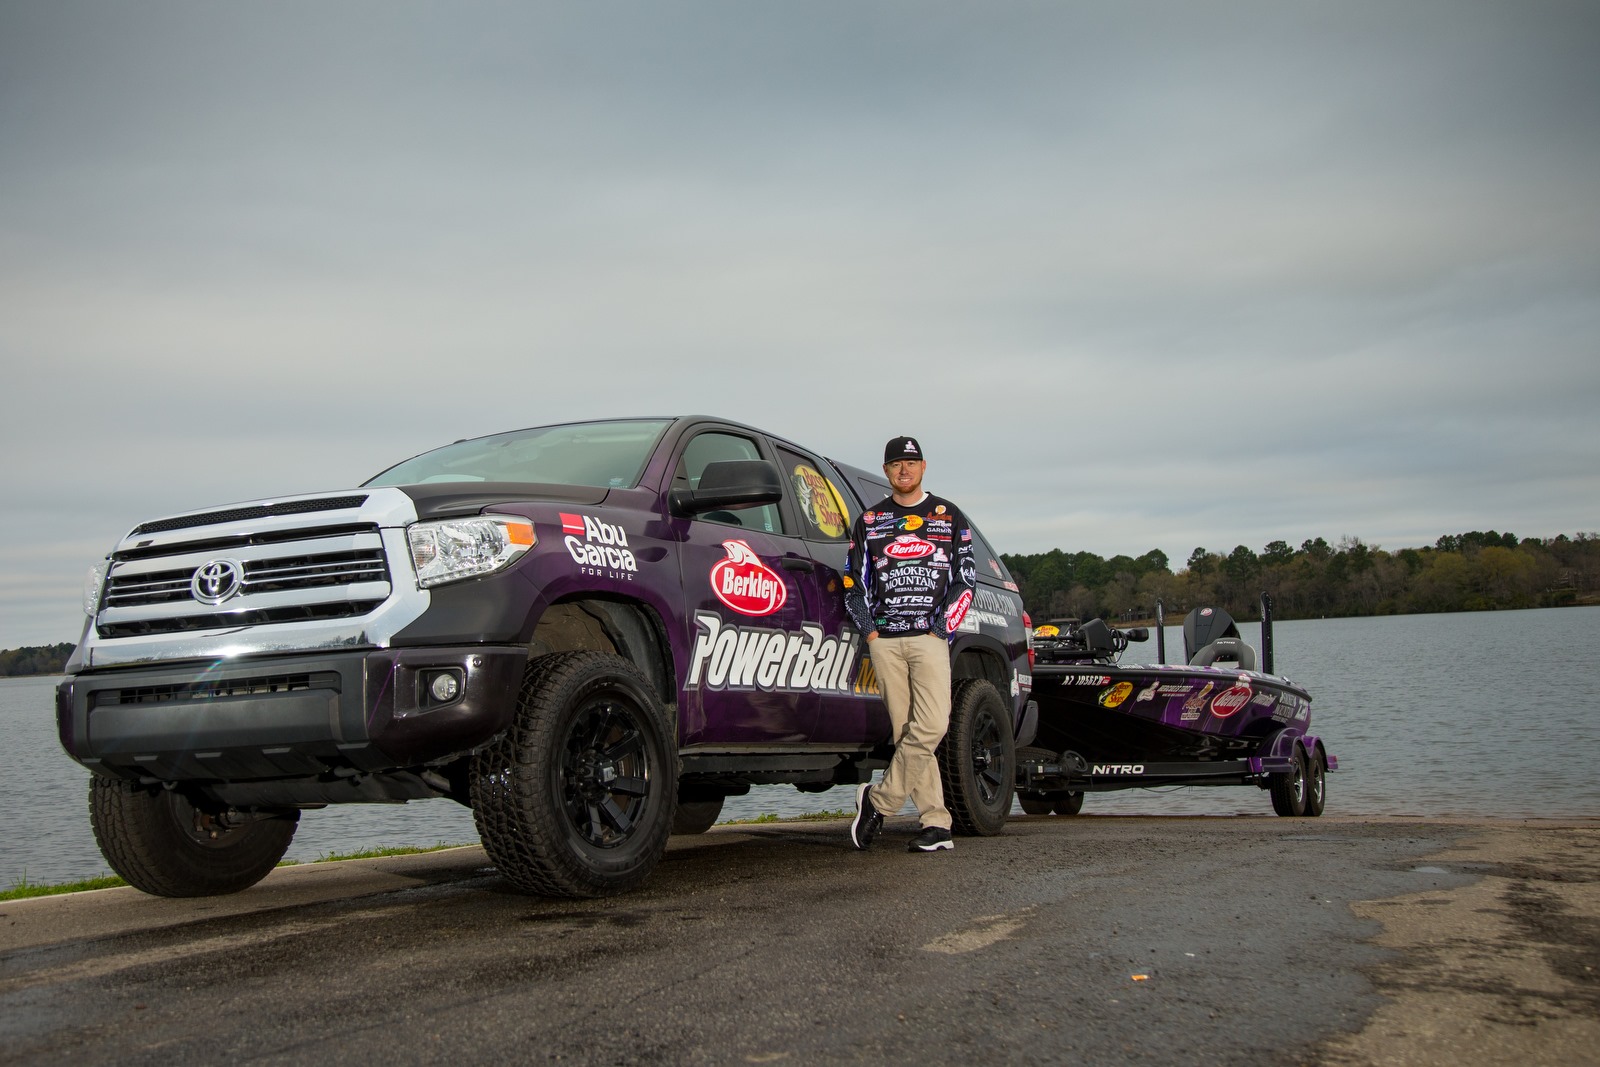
734 483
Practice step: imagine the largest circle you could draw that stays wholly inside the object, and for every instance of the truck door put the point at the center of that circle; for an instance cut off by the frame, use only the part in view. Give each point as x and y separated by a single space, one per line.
754 613
851 710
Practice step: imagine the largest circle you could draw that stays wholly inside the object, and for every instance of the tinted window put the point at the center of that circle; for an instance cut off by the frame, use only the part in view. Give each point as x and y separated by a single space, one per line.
603 454
715 447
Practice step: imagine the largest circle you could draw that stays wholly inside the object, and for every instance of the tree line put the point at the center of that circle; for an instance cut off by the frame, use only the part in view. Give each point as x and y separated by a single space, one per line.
34 659
1477 571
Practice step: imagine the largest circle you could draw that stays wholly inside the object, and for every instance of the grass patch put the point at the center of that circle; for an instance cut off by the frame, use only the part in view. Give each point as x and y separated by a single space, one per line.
379 853
22 889
810 816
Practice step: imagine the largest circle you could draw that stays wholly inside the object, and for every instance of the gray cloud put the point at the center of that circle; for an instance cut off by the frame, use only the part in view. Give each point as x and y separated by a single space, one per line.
1139 274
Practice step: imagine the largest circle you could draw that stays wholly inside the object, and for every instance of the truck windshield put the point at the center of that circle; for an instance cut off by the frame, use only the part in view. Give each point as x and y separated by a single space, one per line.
606 454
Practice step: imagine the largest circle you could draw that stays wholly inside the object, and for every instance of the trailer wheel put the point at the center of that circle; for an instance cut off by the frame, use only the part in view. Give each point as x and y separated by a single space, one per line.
696 816
1316 784
1289 787
163 844
576 798
1036 803
1069 804
978 759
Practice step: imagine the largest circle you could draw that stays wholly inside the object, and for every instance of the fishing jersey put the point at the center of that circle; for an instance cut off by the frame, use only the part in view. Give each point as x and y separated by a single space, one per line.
910 568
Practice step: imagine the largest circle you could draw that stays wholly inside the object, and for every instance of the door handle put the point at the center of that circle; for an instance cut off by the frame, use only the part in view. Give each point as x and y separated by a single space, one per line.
797 563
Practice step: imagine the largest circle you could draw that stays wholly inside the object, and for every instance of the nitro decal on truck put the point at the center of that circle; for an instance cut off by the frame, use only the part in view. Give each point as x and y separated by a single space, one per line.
734 656
745 584
598 547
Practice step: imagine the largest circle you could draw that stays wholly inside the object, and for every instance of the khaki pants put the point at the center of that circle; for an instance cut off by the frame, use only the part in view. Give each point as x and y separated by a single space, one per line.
914 677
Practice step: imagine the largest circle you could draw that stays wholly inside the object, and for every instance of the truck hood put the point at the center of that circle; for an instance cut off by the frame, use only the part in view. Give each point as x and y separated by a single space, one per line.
441 500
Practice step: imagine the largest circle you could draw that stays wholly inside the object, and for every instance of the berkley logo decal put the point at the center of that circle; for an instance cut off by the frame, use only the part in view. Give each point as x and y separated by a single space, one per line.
958 611
907 547
745 584
597 545
1231 700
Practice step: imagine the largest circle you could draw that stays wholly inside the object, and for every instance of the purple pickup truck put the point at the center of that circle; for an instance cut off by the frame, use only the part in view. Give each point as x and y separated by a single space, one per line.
590 633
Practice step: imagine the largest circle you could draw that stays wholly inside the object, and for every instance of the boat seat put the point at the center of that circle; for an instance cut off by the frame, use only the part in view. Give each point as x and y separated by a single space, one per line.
1225 648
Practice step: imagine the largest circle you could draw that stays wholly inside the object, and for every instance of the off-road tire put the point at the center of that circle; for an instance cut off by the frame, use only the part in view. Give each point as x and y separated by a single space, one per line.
576 798
978 759
696 816
1069 803
1289 788
1316 784
162 844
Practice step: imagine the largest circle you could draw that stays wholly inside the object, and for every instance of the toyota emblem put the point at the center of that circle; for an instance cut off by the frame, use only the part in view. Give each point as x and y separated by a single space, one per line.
217 580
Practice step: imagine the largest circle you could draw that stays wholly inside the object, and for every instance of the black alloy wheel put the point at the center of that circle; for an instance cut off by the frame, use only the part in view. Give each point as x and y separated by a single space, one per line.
978 759
577 798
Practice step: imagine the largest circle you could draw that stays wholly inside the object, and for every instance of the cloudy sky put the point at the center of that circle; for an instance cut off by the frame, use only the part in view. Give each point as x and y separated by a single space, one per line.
1139 274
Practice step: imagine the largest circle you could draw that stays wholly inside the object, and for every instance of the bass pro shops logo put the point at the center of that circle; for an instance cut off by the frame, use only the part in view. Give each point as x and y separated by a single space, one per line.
745 584
598 547
908 547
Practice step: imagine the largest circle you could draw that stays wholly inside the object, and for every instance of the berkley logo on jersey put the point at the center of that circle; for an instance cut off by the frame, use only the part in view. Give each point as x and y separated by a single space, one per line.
597 544
908 547
745 584
731 656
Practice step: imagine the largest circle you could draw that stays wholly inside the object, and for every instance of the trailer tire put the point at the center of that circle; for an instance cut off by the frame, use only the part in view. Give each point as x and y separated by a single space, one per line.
1289 787
1316 784
164 845
576 798
696 816
1069 804
1036 803
978 759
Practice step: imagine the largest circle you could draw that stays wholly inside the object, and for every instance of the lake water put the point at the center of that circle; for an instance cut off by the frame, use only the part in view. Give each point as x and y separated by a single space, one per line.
1483 714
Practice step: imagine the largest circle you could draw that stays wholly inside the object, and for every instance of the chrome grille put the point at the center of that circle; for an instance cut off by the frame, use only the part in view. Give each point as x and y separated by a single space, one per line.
290 576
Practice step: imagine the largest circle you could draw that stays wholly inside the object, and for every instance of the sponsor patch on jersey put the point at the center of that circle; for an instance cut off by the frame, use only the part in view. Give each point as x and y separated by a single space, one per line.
745 584
908 547
958 611
910 523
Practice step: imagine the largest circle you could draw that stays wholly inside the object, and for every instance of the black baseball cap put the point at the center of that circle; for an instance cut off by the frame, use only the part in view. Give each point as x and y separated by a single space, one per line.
902 448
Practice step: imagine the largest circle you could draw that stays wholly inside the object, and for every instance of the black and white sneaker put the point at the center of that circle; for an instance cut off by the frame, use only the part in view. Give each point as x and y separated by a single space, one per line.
931 839
864 827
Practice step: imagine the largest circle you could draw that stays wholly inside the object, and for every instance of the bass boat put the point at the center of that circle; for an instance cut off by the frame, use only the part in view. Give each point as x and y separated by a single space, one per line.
1215 719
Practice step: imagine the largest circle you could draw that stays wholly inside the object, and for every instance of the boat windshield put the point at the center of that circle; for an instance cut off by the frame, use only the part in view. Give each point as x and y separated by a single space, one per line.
604 454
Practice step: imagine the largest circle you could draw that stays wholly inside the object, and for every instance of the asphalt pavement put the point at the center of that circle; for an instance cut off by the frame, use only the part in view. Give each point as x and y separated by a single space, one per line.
1095 939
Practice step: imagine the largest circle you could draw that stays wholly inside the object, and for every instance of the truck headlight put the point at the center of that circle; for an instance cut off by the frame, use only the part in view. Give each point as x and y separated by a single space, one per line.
91 588
452 549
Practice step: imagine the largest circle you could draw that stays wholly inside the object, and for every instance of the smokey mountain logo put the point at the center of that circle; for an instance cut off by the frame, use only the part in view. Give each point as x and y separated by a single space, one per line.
745 584
907 547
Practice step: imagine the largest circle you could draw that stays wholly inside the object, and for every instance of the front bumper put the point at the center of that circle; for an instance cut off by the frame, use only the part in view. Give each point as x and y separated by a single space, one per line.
283 717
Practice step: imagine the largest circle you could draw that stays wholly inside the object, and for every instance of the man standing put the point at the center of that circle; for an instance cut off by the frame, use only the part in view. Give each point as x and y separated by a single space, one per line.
908 583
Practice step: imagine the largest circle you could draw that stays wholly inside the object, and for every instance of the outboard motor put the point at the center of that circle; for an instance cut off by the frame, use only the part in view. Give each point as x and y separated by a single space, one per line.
1210 635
